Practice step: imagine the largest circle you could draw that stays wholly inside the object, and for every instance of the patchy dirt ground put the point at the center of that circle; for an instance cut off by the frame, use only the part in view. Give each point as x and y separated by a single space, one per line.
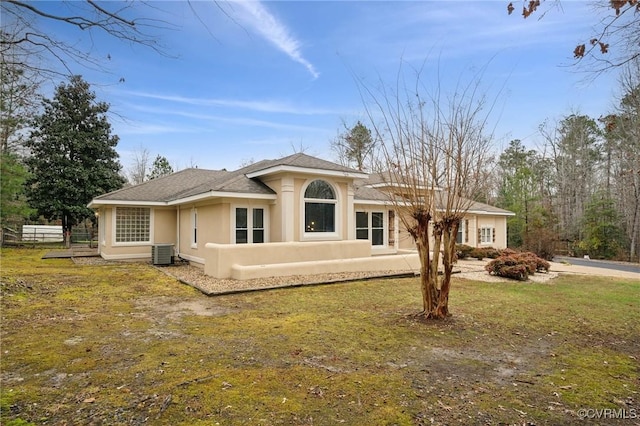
126 344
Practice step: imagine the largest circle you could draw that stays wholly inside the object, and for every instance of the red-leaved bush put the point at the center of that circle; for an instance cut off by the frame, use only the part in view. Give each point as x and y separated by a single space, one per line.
516 265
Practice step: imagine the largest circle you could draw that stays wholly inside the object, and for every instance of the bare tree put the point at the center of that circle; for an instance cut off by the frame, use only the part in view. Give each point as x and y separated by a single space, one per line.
19 101
140 166
623 134
575 146
42 52
434 152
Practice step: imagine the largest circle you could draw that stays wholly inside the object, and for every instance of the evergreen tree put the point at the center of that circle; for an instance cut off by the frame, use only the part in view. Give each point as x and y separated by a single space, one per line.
161 167
516 190
524 178
73 156
13 203
577 155
355 146
602 235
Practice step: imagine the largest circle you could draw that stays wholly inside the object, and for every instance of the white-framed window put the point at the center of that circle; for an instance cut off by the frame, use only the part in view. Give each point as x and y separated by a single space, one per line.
362 225
320 210
371 226
249 225
487 235
132 225
194 228
377 228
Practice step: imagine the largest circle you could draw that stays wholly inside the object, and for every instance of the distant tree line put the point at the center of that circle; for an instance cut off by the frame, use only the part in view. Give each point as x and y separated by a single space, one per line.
56 160
57 154
579 193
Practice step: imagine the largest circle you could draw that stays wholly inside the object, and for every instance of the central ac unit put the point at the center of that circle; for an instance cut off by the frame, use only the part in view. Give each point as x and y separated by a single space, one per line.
162 254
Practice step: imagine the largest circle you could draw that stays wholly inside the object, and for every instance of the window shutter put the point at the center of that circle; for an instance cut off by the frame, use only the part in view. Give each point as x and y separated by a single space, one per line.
466 231
479 236
493 234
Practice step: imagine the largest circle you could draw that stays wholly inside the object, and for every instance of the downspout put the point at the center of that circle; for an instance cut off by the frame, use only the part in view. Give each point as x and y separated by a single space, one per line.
177 253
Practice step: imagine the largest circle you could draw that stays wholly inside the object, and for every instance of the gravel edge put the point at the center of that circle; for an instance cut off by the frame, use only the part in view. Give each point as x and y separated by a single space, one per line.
195 277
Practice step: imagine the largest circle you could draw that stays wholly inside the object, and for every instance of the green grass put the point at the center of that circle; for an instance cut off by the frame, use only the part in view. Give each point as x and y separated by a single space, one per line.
119 344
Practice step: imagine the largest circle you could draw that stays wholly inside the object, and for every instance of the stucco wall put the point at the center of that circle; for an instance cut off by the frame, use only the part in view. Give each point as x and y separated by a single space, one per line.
164 223
386 263
220 258
213 226
287 212
498 223
276 212
475 222
163 230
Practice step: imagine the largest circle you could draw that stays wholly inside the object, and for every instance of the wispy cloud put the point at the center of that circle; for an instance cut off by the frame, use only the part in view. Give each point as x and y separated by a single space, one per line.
258 18
251 105
203 118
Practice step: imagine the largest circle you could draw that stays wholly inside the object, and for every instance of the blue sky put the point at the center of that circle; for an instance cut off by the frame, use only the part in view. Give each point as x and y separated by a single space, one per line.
246 81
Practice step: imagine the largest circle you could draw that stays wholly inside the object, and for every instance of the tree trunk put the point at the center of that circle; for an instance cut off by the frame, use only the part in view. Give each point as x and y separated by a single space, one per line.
420 234
450 232
66 230
433 272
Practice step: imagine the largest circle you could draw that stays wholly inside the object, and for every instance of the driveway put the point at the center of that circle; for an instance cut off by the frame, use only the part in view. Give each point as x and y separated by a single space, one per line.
595 267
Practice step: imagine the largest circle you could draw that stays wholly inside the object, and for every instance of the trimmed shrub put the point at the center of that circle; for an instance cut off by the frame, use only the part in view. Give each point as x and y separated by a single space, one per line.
481 253
516 265
463 251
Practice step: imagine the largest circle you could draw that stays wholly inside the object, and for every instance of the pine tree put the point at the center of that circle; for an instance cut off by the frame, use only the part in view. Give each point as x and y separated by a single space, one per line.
354 147
73 156
161 167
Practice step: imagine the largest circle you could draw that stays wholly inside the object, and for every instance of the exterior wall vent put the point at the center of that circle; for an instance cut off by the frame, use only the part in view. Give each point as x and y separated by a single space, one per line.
162 254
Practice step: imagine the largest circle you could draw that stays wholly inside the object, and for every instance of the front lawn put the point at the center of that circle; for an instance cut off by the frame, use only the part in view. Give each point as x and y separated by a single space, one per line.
126 344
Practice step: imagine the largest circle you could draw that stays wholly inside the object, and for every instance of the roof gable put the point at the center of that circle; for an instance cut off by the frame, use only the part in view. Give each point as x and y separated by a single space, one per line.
303 163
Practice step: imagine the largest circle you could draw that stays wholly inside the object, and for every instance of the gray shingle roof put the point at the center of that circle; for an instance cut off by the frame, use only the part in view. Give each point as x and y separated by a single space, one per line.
300 160
192 182
363 192
165 188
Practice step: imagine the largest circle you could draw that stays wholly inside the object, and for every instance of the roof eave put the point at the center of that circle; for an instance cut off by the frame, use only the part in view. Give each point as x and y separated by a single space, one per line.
306 170
486 212
399 185
210 194
221 194
99 203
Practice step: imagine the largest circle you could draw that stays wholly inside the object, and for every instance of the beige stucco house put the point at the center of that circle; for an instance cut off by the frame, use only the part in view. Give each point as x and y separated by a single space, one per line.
294 215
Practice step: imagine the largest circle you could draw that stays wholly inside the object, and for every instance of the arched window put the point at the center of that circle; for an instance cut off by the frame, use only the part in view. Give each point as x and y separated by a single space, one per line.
319 207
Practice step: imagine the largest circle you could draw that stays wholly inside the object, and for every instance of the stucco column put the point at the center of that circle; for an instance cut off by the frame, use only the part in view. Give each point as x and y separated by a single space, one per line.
288 208
351 226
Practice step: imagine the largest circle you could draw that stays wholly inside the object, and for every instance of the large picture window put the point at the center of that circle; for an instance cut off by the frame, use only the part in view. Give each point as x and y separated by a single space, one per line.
319 207
133 225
